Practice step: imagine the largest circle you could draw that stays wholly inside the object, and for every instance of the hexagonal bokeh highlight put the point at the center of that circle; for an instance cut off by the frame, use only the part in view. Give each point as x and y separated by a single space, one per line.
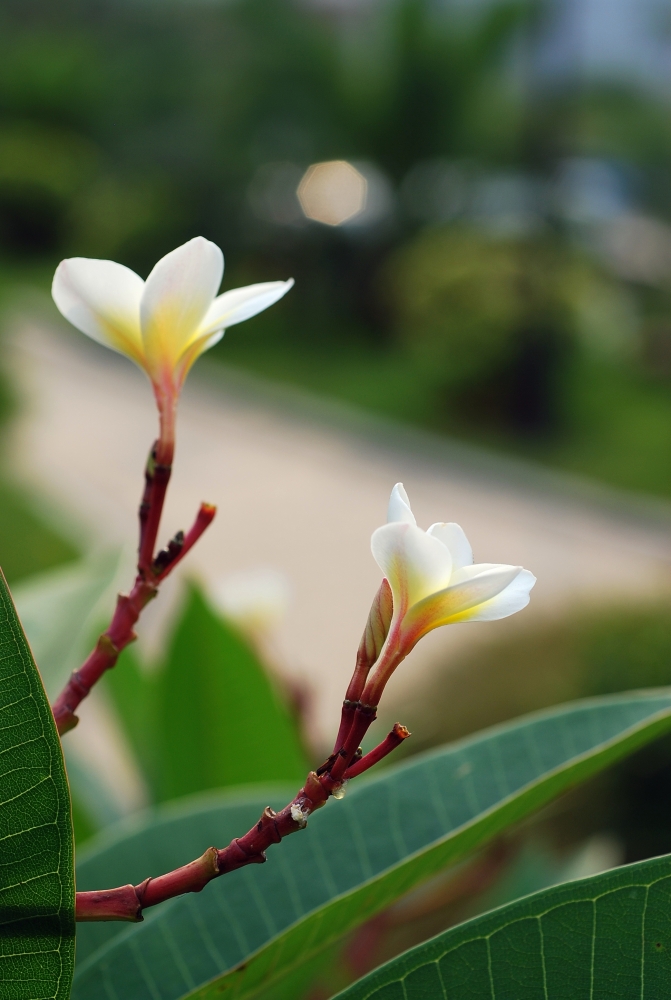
332 192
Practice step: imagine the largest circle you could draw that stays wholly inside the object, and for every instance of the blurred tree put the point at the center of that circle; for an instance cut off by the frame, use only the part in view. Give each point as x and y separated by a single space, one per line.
492 321
125 128
142 125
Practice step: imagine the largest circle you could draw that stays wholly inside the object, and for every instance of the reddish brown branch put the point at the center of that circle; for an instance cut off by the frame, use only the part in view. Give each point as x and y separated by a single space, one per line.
106 653
151 572
362 719
127 902
157 479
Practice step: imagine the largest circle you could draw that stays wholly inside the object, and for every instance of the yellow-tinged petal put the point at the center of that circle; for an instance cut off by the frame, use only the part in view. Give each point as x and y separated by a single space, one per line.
460 601
512 599
191 354
414 563
177 295
102 299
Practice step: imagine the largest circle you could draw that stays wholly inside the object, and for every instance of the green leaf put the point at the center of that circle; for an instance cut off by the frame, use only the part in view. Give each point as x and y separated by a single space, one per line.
37 889
356 857
214 716
61 612
605 936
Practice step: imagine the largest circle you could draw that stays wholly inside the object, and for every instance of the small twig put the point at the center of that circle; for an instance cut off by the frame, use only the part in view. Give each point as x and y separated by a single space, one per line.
394 739
203 520
151 572
104 656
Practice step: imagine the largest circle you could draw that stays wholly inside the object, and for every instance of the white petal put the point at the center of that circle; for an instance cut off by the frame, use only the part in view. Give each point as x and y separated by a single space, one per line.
414 563
476 569
399 506
102 299
240 304
459 601
177 295
512 599
454 536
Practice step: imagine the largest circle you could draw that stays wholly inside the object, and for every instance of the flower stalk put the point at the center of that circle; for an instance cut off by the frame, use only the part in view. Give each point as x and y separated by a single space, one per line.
163 324
151 572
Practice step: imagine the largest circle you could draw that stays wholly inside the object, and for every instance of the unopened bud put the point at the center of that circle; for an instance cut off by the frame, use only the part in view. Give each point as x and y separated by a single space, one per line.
376 628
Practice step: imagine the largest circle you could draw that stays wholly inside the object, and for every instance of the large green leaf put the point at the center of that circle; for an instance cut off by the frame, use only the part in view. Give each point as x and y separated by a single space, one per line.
61 610
209 716
62 613
36 846
355 858
607 936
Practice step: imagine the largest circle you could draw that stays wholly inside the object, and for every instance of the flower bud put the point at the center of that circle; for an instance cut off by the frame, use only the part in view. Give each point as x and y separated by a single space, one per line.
377 627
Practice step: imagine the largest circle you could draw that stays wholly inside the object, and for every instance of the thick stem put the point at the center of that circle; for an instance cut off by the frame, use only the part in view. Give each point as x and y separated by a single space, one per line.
349 707
364 716
127 902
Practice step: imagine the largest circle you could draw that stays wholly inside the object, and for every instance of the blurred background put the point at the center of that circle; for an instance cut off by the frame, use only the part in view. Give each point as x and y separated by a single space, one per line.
493 174
474 197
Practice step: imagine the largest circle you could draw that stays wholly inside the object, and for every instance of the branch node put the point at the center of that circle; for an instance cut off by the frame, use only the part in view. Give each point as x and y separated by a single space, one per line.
234 856
110 904
106 646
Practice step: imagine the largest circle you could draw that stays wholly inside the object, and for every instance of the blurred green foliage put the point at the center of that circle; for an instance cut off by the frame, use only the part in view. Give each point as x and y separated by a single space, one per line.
28 544
493 321
127 128
208 715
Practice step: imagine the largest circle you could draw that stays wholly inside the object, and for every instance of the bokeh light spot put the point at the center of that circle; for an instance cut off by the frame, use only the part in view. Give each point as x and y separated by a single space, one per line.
332 192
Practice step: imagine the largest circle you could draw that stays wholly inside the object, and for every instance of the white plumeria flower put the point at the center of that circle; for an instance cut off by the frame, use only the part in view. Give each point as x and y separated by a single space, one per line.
164 323
434 582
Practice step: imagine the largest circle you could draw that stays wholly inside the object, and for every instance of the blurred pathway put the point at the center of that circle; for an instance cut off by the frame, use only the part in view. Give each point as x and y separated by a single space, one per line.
300 485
